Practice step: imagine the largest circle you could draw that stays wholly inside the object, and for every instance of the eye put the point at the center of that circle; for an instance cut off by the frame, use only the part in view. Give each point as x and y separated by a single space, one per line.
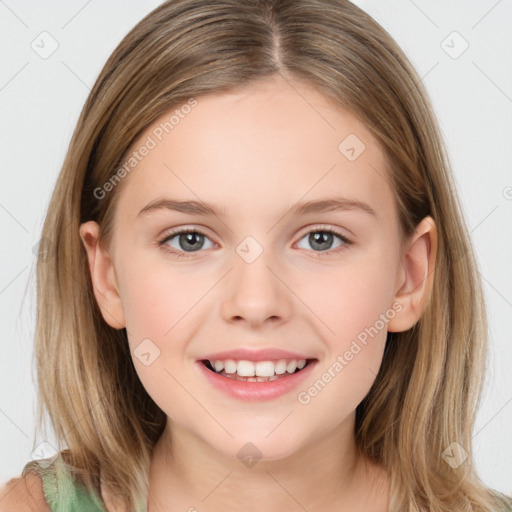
321 240
187 240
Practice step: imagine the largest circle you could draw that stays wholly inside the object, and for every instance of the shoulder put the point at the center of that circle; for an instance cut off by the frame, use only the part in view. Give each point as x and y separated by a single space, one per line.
23 494
503 501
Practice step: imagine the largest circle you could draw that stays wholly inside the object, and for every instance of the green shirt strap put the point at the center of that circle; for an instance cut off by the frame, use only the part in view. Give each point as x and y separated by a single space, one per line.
61 491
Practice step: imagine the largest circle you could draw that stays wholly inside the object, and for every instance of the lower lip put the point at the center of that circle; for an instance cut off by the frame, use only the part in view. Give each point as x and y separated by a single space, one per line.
256 391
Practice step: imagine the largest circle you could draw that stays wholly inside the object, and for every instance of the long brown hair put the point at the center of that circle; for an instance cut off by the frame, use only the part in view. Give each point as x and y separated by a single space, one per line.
427 391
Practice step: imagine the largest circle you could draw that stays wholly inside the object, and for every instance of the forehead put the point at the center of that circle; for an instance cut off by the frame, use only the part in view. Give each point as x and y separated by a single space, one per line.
254 149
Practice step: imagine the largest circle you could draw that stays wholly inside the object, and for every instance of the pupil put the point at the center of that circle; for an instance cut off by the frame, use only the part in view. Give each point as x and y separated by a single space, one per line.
319 238
187 239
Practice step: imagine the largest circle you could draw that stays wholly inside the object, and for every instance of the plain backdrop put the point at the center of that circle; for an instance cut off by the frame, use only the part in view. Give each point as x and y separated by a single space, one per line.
461 49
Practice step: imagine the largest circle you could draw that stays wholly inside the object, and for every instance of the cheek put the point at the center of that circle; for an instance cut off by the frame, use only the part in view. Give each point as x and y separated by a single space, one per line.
159 301
351 298
158 305
354 302
156 296
354 350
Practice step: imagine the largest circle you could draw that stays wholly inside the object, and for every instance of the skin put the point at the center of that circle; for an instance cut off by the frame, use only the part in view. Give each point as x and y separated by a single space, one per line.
257 152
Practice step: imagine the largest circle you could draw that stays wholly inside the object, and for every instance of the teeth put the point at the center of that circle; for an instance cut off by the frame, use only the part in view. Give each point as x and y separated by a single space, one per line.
291 366
219 366
280 367
246 369
264 368
229 366
253 371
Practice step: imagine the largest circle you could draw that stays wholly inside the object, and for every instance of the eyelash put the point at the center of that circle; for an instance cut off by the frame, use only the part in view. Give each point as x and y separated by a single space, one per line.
162 242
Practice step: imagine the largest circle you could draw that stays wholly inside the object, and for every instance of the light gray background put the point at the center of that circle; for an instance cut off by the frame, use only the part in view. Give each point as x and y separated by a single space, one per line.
40 100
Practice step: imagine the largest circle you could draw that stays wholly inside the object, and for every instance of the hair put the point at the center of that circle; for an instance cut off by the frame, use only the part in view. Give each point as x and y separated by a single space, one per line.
428 389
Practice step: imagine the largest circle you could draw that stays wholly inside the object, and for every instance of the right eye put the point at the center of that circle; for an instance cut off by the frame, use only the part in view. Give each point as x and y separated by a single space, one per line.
186 238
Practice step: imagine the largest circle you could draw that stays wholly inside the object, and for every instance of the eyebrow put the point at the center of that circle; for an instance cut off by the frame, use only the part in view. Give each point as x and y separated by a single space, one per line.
208 209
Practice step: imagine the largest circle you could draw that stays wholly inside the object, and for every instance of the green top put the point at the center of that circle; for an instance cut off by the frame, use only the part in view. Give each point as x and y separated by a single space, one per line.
61 491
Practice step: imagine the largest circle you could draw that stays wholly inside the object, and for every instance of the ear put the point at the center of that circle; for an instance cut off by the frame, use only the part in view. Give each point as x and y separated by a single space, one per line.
416 277
103 277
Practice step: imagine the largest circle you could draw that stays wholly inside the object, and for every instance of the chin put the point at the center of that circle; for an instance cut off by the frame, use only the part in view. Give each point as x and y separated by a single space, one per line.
252 447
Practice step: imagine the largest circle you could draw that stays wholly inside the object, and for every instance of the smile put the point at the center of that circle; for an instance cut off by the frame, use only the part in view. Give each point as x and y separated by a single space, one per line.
260 371
255 381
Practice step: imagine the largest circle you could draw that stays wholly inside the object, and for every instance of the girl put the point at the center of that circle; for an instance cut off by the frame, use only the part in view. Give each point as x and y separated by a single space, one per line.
262 293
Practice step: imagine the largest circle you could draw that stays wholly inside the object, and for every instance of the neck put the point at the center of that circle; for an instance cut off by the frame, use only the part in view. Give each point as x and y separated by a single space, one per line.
188 474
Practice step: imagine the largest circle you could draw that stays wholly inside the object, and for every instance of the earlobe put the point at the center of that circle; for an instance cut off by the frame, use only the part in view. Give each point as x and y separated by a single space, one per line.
416 277
103 276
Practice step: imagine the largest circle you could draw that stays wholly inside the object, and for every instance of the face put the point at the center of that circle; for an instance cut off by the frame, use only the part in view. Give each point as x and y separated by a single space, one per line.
260 273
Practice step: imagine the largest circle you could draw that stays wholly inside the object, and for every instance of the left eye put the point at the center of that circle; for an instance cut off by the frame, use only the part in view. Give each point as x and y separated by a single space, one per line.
322 239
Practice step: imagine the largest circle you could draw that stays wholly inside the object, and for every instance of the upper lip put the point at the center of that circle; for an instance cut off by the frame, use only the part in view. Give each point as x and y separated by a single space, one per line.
267 354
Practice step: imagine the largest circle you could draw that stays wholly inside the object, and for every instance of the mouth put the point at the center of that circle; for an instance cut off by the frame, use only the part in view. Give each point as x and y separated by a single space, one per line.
261 371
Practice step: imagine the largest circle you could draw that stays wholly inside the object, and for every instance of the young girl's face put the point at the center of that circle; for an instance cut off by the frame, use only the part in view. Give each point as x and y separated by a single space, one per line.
260 274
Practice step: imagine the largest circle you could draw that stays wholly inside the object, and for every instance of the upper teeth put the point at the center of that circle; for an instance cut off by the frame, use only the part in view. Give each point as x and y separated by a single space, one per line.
260 369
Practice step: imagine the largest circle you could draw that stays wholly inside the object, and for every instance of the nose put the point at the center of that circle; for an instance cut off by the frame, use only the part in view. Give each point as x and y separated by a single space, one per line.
256 293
